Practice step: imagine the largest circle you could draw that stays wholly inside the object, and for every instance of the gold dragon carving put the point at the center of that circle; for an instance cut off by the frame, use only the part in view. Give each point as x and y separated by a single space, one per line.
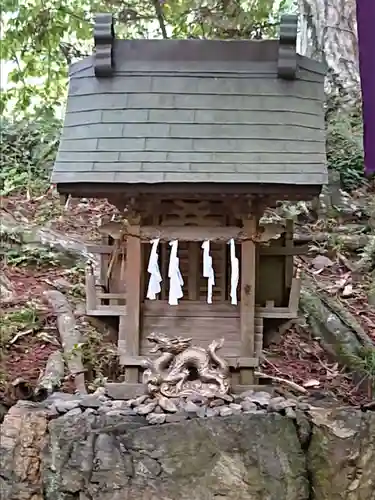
169 374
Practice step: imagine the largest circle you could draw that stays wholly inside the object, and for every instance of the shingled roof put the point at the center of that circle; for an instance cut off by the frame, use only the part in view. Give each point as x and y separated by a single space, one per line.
193 111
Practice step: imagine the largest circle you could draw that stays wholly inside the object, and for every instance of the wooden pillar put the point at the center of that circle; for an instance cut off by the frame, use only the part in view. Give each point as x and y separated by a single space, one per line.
289 260
129 325
247 306
91 301
258 336
193 274
164 270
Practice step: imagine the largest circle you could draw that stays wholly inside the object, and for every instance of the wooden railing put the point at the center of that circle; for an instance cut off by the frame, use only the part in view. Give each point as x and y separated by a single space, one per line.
99 303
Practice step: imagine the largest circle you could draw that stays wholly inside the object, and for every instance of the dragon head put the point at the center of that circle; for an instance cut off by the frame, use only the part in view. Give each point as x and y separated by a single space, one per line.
162 343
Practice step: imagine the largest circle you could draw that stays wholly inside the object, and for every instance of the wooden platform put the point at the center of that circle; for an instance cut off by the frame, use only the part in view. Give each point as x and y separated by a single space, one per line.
125 390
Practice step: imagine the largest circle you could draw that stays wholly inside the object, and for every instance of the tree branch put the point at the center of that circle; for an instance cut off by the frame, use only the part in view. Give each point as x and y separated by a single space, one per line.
160 17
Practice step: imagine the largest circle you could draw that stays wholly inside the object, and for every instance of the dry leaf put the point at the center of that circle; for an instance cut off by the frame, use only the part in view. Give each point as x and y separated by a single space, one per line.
311 383
348 291
320 262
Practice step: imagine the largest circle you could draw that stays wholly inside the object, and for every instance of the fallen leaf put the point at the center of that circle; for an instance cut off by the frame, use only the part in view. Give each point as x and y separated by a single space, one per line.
320 262
348 291
311 383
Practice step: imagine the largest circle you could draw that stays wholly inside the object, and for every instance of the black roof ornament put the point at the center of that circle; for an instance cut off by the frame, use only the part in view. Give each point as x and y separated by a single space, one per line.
104 37
287 60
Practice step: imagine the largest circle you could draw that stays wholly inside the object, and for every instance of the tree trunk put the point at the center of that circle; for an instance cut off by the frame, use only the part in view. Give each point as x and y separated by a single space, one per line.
70 337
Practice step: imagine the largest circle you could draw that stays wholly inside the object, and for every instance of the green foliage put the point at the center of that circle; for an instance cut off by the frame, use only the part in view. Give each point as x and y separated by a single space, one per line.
364 362
99 357
345 143
14 322
42 37
27 151
33 256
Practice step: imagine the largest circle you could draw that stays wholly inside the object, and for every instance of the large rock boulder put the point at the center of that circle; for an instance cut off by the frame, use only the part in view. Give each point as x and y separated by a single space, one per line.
111 453
341 455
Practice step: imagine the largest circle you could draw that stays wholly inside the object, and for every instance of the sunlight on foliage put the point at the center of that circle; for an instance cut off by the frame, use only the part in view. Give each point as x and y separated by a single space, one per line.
41 38
27 152
33 257
345 142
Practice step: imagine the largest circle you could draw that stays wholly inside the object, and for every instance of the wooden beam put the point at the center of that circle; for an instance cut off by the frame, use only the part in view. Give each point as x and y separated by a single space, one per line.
247 306
107 311
275 313
263 249
192 233
107 296
129 325
234 362
189 308
182 233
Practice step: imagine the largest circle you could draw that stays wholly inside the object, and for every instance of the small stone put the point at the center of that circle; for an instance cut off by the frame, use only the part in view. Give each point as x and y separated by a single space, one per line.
248 406
291 403
138 401
290 413
196 398
145 409
321 261
120 413
216 402
120 405
236 408
60 396
226 397
65 406
303 406
201 412
90 402
147 467
176 417
279 404
225 411
73 413
212 412
261 398
155 418
100 391
191 407
246 394
167 404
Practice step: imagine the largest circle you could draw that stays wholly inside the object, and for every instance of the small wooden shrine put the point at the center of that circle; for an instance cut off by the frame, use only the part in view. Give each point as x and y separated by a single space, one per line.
193 140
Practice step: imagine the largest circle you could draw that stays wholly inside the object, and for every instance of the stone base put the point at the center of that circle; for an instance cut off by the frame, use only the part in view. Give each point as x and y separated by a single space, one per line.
95 448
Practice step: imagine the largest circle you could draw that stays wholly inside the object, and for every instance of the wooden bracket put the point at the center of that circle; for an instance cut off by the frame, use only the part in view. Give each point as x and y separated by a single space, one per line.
104 36
287 61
